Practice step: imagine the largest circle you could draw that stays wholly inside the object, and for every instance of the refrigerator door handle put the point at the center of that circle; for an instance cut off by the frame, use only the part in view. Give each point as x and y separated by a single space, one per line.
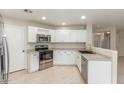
1 64
6 58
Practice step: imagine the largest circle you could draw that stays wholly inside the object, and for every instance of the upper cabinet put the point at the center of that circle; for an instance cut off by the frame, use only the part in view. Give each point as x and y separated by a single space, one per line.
62 36
53 36
81 35
71 36
32 32
42 31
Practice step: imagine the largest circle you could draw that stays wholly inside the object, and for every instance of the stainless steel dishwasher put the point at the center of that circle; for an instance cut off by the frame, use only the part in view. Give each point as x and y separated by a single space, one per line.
84 68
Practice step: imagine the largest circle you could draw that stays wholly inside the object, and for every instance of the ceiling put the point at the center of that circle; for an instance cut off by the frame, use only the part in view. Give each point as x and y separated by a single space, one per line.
71 16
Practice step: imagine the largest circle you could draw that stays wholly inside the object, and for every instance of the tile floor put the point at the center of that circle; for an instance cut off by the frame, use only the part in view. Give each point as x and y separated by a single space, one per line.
121 70
57 75
53 75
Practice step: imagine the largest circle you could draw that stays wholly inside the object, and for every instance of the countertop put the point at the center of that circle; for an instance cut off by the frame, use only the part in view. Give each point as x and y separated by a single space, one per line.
95 57
89 57
67 49
31 51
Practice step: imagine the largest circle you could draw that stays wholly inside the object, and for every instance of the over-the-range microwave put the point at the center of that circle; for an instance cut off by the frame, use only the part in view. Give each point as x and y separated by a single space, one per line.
43 38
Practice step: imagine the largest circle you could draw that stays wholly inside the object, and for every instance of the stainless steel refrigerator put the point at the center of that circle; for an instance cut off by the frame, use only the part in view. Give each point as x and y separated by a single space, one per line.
4 55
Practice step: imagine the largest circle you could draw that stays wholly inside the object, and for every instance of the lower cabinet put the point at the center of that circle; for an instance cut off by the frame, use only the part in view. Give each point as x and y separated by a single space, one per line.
33 62
93 72
64 57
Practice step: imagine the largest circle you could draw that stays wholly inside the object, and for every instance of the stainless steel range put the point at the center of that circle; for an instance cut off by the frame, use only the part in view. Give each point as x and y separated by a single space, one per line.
45 56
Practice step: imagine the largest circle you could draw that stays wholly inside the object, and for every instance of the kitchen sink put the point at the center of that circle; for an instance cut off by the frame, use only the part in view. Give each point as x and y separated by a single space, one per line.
86 51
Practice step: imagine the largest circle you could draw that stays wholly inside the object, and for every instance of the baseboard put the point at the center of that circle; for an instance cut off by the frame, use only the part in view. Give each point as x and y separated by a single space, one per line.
121 56
64 65
17 71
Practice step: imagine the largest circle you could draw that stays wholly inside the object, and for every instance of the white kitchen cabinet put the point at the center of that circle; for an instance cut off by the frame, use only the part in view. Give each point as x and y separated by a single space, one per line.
64 57
77 36
32 32
61 35
53 35
33 62
81 35
69 57
57 58
42 31
57 35
70 36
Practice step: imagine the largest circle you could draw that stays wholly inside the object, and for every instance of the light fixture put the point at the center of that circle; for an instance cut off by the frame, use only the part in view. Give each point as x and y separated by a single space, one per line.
98 33
108 32
83 17
28 11
63 23
43 18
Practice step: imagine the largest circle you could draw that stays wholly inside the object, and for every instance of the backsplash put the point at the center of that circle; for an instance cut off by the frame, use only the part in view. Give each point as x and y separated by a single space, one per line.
59 45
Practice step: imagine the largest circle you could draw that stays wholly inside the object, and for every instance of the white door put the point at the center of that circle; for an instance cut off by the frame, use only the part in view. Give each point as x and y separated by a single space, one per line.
15 37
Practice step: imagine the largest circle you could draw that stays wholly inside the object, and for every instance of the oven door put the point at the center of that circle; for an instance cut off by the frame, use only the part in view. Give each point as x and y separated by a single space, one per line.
46 55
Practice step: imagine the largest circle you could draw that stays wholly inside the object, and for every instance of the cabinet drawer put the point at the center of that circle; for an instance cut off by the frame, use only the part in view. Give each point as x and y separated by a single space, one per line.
45 65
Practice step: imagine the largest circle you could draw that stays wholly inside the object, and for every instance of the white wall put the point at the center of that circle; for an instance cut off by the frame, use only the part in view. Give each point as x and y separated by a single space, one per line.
113 38
90 34
120 43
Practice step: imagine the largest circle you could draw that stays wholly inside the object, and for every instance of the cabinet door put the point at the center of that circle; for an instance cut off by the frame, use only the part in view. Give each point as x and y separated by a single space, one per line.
59 36
81 36
53 35
32 31
71 57
42 31
57 57
62 36
64 57
34 62
77 36
73 36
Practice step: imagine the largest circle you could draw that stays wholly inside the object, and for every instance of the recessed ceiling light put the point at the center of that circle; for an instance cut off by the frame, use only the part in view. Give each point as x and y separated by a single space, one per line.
28 11
63 23
108 32
98 33
43 18
83 17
